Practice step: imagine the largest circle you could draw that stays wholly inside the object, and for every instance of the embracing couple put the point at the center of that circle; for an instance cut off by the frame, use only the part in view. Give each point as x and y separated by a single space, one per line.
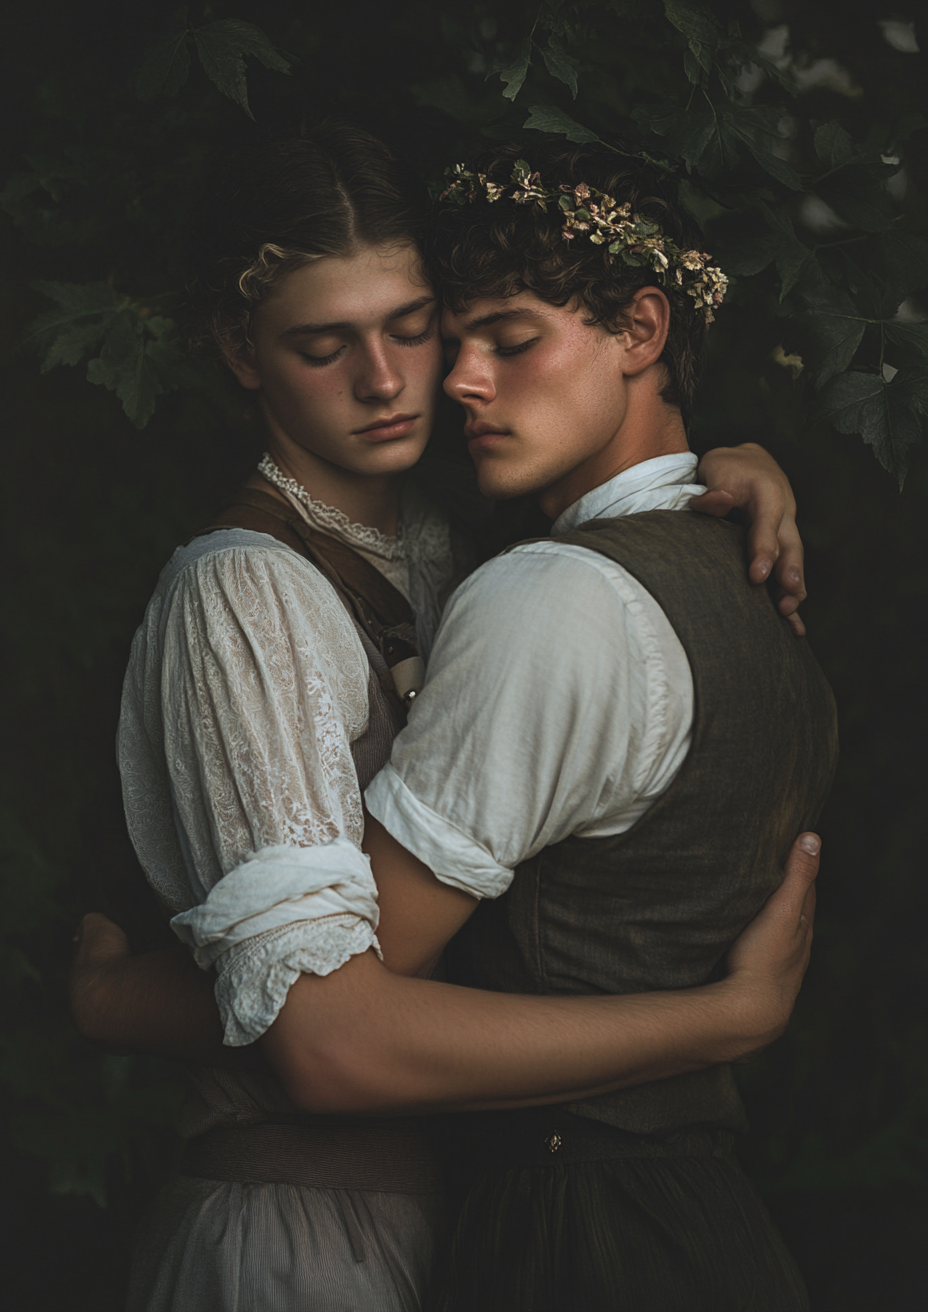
580 769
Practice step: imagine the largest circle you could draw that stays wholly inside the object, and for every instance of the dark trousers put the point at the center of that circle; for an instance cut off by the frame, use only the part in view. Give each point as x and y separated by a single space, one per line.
562 1214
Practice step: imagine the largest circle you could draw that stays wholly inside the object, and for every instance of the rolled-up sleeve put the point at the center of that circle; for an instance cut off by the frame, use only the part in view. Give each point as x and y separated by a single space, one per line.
532 720
261 689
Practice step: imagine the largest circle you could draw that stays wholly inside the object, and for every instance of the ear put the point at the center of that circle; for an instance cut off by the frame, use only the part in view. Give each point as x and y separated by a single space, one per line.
648 319
244 365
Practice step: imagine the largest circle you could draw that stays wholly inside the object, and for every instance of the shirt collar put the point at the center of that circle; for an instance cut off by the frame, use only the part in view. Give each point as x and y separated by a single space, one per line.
664 483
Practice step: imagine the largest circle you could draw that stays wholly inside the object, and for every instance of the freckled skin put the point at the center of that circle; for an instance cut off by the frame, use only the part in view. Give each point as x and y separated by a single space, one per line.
572 404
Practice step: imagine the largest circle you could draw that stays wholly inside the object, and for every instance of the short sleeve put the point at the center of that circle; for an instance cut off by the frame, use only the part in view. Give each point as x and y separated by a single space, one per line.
246 688
544 710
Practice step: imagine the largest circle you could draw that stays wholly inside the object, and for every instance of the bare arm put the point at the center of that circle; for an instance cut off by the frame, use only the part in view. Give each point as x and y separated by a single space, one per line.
364 1039
746 478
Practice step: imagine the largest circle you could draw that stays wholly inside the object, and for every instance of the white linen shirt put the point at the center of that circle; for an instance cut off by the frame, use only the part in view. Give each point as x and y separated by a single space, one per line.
558 701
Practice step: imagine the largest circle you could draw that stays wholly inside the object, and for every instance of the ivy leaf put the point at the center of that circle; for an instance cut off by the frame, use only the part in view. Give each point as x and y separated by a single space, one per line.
698 27
841 333
796 262
741 245
547 118
711 140
882 413
898 263
909 338
139 356
222 47
67 333
137 362
833 145
165 68
514 74
560 64
856 192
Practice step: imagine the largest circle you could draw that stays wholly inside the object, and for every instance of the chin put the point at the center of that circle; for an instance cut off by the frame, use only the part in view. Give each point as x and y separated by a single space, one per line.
500 480
390 458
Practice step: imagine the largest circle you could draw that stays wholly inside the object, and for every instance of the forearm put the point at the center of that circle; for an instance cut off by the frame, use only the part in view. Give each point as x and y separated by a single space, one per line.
363 1040
159 1003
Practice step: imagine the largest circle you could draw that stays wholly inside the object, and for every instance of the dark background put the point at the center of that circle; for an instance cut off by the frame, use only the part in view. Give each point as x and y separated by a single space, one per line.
99 186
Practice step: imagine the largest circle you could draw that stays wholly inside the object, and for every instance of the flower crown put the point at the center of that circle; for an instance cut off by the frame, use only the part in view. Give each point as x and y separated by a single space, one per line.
632 238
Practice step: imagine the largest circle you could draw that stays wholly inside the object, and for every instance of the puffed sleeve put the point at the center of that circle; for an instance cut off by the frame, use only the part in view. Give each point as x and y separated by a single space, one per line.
258 691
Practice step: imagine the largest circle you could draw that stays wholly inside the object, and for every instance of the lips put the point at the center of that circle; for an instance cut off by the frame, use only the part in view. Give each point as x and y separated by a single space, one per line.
391 426
483 435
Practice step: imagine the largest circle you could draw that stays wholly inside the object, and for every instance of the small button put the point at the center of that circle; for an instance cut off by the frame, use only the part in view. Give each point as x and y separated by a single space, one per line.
553 1142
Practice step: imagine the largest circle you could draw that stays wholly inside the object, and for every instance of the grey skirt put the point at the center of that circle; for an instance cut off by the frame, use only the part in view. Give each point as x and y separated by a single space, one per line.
225 1246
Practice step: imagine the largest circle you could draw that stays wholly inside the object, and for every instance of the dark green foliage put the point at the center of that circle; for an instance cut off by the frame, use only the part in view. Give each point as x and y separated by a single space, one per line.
112 115
139 356
221 46
723 116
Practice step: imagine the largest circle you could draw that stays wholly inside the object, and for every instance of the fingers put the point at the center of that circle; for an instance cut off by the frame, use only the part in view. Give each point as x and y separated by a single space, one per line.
790 567
716 502
98 940
796 624
766 509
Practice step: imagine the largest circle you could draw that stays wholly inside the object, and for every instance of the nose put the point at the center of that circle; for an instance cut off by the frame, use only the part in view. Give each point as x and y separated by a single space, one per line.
469 379
379 378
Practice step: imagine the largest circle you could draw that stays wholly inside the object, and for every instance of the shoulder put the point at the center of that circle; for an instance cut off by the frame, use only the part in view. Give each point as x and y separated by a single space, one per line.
533 574
236 581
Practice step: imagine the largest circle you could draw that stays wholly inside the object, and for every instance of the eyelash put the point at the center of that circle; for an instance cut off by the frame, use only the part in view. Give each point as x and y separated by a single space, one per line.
320 361
506 351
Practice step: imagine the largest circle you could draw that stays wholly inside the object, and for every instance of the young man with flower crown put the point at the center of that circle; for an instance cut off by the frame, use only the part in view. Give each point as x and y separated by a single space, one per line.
617 740
616 743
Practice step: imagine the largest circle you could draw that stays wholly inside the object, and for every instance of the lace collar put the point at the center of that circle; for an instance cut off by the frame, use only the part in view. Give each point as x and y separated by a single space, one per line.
414 519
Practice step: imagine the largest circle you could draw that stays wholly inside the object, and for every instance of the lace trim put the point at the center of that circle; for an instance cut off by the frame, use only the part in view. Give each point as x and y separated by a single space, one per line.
254 977
330 519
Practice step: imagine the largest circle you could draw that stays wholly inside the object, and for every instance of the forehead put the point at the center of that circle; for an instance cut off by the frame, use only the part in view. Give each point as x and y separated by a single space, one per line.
486 312
366 284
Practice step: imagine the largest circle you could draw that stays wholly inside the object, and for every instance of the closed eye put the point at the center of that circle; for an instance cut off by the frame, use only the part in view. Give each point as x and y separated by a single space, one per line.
318 361
417 340
516 350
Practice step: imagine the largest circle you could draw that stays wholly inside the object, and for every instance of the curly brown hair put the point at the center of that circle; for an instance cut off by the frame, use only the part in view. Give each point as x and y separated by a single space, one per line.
486 249
286 202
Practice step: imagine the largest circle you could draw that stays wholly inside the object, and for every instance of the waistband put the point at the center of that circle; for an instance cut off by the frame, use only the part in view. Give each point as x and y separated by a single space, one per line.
384 1156
539 1136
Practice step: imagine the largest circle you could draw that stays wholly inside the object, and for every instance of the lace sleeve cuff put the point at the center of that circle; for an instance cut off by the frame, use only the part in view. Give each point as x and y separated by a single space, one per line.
254 977
282 911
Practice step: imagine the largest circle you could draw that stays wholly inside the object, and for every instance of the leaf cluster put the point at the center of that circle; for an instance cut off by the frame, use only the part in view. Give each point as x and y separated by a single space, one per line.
730 128
221 46
134 352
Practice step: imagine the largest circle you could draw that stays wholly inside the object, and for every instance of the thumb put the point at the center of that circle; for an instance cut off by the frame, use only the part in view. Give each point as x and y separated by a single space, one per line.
98 940
798 888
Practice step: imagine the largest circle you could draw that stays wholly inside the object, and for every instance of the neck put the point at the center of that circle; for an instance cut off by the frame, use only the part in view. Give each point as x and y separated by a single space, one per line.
650 428
369 499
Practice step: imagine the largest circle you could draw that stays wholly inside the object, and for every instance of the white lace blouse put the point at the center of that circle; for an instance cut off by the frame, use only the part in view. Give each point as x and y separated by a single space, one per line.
247 684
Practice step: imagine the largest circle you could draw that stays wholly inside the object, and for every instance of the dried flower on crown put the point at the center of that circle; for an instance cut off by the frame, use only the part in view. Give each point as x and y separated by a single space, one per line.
631 238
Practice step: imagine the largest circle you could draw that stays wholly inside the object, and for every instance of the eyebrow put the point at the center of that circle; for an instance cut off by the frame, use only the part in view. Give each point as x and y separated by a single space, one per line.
305 329
487 319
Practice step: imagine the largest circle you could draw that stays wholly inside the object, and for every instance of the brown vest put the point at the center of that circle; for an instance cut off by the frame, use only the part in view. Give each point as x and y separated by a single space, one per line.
658 906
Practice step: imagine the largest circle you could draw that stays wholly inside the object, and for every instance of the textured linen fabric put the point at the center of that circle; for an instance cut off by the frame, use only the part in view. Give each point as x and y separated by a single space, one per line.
537 629
215 1246
247 687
